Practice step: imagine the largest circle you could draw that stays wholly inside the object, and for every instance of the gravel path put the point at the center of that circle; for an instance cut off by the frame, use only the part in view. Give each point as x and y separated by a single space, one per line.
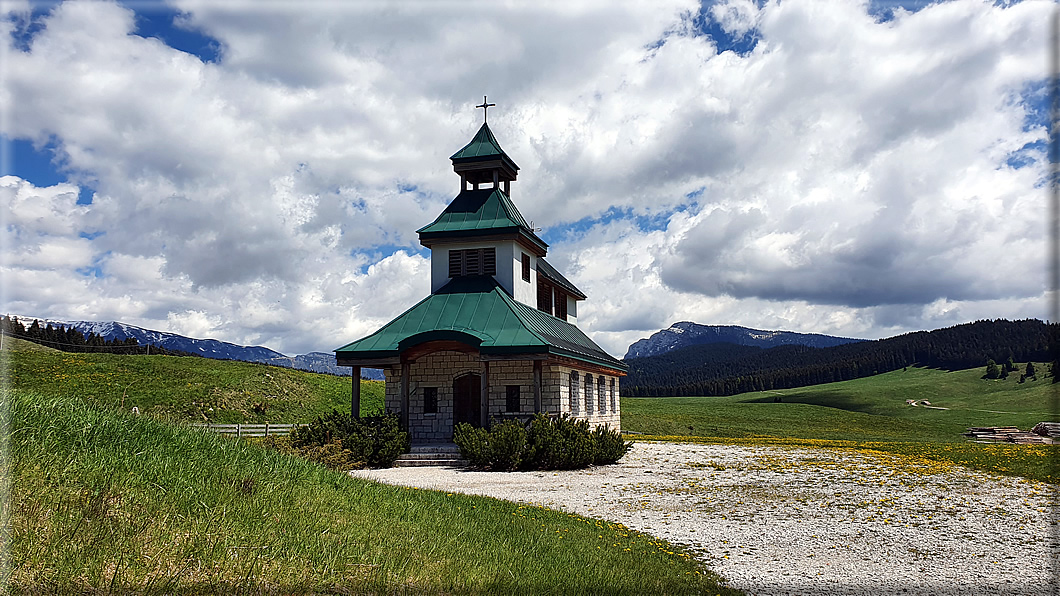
776 520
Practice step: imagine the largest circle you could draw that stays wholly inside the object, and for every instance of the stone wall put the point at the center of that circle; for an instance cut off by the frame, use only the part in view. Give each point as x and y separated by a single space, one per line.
581 404
439 369
434 370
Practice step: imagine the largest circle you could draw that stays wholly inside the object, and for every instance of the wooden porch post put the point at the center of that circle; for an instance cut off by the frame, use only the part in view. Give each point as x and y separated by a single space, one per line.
405 366
537 386
484 399
355 395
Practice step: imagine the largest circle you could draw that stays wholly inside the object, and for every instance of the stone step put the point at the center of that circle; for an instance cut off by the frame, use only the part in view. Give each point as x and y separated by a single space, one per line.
436 448
422 463
432 454
429 456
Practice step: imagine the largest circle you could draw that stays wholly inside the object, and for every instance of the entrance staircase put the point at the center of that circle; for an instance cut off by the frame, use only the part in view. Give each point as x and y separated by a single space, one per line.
432 454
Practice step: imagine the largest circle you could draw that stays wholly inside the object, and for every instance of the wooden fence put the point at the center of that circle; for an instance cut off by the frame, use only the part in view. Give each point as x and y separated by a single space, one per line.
241 431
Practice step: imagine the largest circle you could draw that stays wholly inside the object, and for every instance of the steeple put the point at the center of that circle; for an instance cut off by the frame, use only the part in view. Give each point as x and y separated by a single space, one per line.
482 161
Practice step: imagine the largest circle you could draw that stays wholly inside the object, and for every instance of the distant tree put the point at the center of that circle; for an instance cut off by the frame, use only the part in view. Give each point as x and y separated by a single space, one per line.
1010 365
1004 371
992 370
1031 373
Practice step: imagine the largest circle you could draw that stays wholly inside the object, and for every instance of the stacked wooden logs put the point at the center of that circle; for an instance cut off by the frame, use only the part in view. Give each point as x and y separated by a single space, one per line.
1011 434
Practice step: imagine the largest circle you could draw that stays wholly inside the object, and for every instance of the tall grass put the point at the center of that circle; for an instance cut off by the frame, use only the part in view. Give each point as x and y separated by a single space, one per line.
103 501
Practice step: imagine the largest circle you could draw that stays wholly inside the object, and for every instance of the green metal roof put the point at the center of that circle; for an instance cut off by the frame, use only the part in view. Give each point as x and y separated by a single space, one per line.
550 273
474 212
477 311
483 147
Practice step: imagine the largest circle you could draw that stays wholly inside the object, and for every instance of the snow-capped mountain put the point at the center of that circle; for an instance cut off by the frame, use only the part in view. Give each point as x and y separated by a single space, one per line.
685 333
322 362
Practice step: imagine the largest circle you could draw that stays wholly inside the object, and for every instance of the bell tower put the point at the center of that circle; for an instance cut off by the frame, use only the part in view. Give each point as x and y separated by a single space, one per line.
483 162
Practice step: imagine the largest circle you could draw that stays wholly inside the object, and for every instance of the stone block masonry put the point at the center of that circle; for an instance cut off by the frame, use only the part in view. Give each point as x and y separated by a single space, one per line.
595 400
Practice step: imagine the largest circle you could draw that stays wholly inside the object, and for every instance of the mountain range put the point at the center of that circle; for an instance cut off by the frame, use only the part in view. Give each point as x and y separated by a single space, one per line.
321 362
685 334
724 368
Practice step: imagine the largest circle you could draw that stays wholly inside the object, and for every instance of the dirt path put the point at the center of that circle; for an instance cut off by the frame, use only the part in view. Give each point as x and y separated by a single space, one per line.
776 520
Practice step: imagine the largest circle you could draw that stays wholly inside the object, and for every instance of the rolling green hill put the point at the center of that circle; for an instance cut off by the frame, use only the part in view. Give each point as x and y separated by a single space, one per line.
184 388
872 410
102 501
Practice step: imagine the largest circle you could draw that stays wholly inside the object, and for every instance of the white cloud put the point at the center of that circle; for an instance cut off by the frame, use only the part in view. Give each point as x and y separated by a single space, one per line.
848 175
736 17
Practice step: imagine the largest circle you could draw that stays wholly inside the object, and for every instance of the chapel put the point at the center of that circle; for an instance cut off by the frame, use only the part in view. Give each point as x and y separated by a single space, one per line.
497 338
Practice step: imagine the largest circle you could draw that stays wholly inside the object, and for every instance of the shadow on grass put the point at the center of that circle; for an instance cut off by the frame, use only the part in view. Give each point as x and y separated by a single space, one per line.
831 399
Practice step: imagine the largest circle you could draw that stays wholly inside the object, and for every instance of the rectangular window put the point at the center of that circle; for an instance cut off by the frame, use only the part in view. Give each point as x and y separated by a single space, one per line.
473 261
430 400
511 401
526 267
614 405
561 305
601 394
544 296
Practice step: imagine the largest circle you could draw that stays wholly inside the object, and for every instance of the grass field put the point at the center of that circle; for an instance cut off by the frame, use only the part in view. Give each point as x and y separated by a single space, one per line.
185 388
872 412
104 501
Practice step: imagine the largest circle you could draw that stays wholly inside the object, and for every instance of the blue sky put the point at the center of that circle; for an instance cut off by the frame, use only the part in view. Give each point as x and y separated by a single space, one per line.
831 167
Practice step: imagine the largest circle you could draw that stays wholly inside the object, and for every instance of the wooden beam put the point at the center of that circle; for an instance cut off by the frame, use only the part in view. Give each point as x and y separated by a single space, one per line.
369 362
586 367
484 397
405 366
355 394
509 357
537 386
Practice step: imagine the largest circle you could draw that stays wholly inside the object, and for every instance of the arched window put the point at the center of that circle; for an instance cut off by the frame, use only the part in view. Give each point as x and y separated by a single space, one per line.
601 393
589 395
573 394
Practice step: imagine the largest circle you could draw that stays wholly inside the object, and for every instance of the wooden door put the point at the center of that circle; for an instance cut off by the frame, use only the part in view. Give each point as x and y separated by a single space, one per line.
467 391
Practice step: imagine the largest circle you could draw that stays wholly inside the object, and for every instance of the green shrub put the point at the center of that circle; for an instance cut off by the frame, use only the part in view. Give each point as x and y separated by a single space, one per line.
609 445
378 440
507 445
581 445
332 456
474 444
546 448
370 441
544 443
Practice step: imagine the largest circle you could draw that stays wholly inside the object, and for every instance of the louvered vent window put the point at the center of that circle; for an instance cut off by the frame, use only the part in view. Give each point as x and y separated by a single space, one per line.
526 267
561 305
601 395
473 261
573 392
614 405
544 296
589 394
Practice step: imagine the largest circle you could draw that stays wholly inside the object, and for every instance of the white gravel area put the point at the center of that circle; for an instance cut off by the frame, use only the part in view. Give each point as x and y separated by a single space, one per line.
777 520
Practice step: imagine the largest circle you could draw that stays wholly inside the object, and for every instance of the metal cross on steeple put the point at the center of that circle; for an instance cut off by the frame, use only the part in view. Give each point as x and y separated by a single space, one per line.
485 107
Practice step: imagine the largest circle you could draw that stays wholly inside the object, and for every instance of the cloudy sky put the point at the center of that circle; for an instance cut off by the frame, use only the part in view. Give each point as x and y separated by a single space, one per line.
255 171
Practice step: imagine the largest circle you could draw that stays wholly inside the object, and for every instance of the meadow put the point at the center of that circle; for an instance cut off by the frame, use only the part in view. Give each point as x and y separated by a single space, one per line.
872 413
185 388
103 501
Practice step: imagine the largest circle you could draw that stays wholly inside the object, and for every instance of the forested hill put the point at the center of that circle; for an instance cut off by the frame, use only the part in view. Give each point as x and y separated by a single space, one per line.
726 369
